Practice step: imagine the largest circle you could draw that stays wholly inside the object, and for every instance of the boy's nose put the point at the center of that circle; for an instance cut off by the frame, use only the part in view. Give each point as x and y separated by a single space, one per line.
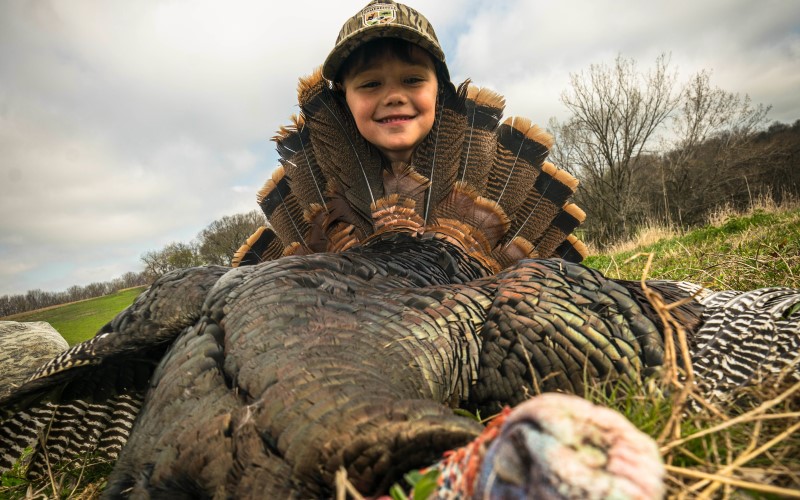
394 95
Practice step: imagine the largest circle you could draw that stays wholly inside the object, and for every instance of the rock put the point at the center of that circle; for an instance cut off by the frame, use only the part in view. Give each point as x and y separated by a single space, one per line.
23 348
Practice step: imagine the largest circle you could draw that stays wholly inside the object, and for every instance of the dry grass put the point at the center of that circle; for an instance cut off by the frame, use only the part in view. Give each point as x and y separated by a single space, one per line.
764 203
653 232
649 234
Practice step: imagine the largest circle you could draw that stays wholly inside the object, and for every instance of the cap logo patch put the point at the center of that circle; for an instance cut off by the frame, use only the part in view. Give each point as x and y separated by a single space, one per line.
379 14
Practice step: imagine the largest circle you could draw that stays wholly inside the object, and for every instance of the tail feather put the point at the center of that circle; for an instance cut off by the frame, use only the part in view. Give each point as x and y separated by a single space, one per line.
299 163
567 220
522 148
403 180
261 246
571 249
439 156
549 193
282 208
483 109
466 205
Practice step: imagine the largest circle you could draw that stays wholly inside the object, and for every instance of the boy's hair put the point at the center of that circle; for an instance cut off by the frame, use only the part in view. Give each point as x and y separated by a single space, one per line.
381 48
384 19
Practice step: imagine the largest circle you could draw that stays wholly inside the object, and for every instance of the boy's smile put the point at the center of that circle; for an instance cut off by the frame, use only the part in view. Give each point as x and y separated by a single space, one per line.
394 103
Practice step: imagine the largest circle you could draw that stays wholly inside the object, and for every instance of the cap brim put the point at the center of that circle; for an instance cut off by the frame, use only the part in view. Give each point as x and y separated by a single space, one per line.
347 46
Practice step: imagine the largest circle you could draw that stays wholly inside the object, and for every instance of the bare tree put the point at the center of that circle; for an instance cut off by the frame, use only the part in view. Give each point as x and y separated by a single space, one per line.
220 240
615 112
711 133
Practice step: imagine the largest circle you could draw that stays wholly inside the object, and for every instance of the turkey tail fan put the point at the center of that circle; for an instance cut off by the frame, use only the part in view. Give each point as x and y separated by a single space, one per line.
471 178
483 109
438 157
282 209
521 149
350 164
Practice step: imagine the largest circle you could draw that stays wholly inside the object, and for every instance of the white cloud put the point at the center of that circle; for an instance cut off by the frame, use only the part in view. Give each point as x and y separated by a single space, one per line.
531 47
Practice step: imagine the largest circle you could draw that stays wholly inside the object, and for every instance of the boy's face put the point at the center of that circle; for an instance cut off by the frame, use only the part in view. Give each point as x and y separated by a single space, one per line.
394 102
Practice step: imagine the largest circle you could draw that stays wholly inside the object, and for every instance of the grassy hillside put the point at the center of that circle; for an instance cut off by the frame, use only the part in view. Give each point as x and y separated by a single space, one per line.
741 252
79 321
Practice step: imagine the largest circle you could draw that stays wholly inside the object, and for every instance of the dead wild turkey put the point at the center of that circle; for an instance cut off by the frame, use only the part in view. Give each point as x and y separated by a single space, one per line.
382 296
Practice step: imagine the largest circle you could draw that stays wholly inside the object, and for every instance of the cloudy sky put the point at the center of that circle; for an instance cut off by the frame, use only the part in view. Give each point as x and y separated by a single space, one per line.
126 125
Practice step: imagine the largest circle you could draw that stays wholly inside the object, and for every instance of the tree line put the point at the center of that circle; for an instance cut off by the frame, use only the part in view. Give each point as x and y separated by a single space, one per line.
38 299
647 149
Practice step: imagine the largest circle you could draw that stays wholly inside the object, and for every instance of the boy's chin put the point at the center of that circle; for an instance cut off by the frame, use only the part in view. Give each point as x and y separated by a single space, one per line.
397 153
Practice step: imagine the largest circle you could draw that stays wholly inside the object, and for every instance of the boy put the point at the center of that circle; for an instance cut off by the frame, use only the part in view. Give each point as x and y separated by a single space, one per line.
388 63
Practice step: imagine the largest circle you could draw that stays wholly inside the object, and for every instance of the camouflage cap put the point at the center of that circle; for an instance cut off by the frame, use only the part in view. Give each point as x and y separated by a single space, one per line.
382 19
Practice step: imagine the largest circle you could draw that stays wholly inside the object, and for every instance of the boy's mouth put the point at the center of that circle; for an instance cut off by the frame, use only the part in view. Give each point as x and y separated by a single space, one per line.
395 118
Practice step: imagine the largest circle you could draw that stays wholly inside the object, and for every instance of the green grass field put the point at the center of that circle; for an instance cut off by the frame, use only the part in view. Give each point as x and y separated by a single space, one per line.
79 321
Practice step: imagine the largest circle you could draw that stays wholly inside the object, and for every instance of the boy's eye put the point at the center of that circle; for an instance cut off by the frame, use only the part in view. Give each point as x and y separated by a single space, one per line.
414 79
369 85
